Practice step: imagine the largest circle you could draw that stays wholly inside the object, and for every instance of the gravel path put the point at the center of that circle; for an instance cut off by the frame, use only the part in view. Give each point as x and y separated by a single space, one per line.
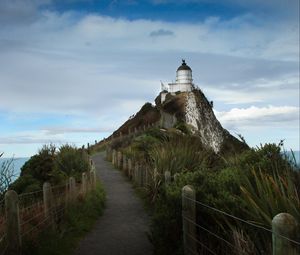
123 227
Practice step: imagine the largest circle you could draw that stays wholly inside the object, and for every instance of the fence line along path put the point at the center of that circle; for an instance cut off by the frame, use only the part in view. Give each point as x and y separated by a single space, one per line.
123 227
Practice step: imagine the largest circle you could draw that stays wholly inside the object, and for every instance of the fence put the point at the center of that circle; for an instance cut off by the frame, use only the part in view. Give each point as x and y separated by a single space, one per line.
115 137
24 216
135 171
283 234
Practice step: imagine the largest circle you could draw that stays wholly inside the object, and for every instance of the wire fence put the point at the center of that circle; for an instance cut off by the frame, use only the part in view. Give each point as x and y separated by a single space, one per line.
208 238
35 211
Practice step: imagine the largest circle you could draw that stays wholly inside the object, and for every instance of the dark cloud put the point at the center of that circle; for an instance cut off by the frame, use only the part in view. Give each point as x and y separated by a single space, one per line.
20 12
161 32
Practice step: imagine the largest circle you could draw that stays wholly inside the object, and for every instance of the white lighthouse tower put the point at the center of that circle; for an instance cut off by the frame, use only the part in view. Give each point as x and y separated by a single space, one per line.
184 80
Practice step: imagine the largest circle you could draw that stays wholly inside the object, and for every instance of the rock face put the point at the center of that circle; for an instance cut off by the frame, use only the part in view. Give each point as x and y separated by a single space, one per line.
191 109
200 116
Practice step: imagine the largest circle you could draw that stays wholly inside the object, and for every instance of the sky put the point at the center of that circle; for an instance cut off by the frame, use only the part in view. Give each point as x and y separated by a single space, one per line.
73 71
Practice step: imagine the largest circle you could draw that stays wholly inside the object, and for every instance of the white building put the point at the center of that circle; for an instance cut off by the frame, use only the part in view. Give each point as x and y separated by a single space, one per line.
184 80
183 83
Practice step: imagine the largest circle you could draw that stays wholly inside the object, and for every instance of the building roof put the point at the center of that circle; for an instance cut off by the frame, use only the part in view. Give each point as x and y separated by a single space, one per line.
184 66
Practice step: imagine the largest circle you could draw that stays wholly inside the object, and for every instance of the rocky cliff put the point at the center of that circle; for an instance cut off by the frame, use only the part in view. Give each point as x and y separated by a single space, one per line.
191 109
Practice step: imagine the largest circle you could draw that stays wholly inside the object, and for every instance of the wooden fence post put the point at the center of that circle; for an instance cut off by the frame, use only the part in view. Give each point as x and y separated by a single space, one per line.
167 177
129 166
94 177
176 176
143 173
13 231
119 160
147 176
83 184
136 173
88 181
134 163
124 167
108 153
72 188
48 202
286 225
140 176
114 157
189 219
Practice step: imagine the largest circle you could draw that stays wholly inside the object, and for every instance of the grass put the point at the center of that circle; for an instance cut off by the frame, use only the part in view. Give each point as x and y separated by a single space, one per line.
78 220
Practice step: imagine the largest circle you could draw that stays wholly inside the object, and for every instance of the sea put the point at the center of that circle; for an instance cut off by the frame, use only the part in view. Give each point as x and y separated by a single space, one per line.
16 164
19 162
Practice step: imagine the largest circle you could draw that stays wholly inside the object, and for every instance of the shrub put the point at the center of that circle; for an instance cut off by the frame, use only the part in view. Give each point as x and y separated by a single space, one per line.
40 165
180 153
70 161
51 165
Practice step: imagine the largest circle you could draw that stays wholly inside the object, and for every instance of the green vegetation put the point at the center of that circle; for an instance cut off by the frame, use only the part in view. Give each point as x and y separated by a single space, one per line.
77 221
56 165
95 148
253 184
51 164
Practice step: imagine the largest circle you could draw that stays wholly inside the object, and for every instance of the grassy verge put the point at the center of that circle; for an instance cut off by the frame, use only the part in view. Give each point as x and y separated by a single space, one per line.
78 220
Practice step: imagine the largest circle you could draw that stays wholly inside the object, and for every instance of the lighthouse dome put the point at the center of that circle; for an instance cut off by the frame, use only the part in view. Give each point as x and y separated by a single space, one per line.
184 74
184 66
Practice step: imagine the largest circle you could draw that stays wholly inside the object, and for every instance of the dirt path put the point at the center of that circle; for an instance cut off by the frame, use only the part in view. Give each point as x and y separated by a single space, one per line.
122 229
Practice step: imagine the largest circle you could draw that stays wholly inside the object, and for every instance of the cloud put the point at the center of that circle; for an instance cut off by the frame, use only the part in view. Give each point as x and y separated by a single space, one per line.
98 67
49 67
161 32
29 140
64 130
20 12
237 118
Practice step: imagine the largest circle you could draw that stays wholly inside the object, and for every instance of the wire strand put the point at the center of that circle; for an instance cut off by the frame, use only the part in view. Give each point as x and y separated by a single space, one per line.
29 193
217 236
36 204
203 245
242 220
193 252
30 230
30 219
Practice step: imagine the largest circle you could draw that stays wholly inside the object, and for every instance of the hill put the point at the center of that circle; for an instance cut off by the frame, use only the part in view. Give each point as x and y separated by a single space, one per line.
189 112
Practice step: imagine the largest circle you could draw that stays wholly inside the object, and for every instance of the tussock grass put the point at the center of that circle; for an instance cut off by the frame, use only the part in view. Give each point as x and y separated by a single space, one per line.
77 221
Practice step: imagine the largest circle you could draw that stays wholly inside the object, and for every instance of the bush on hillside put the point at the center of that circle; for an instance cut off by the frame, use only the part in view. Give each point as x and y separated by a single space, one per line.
52 165
181 154
255 186
70 161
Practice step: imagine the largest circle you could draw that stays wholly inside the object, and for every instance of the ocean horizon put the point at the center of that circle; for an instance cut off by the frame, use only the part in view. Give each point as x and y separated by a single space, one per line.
19 162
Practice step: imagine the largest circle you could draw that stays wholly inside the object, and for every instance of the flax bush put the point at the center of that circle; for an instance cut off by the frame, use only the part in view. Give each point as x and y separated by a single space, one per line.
254 185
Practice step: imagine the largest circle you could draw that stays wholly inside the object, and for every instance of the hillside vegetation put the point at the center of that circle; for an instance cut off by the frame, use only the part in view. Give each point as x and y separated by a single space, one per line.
53 165
72 217
253 184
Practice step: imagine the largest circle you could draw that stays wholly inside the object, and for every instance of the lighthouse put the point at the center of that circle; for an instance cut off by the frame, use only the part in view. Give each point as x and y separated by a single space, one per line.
184 80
